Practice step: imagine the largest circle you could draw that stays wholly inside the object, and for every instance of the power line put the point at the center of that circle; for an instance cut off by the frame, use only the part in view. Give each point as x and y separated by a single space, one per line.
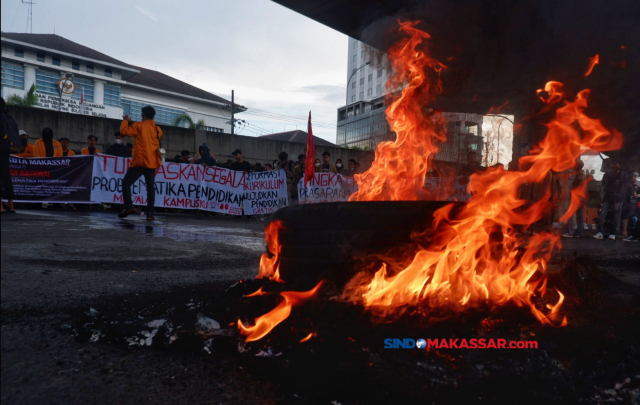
289 120
289 116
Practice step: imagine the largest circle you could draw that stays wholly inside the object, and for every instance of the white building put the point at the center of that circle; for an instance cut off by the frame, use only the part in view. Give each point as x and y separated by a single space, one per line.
111 87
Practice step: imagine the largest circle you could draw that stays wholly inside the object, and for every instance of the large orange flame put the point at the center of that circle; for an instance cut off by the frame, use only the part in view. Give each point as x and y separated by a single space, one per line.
476 257
264 324
399 169
270 260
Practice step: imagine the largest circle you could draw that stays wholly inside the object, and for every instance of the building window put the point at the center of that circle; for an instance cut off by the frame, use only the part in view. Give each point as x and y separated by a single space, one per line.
81 84
12 76
355 44
353 98
213 129
362 54
112 95
378 89
355 58
75 64
361 81
19 53
55 60
108 72
353 70
164 115
379 72
370 79
361 96
46 82
369 92
353 85
89 68
40 57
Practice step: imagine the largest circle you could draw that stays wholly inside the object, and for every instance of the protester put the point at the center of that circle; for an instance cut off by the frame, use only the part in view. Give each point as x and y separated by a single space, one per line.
64 142
240 165
145 160
326 166
613 195
26 149
91 149
5 150
185 157
268 167
130 147
339 166
298 172
204 156
118 148
550 189
630 208
258 168
317 164
351 168
358 167
578 216
287 165
47 146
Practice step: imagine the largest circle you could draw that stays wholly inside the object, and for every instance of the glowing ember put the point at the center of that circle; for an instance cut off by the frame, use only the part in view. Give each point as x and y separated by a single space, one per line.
306 338
270 261
257 293
270 320
593 61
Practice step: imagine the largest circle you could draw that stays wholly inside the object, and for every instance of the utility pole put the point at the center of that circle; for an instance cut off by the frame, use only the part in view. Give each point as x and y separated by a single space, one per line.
233 120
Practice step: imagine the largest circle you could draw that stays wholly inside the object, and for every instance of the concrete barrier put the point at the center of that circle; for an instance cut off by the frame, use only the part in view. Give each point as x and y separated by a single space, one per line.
255 149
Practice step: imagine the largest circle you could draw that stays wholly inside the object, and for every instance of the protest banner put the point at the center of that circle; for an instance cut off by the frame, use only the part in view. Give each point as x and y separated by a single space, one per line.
189 186
62 179
326 187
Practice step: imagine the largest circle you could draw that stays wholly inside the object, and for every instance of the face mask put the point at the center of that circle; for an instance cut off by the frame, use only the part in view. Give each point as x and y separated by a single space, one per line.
338 164
119 141
317 164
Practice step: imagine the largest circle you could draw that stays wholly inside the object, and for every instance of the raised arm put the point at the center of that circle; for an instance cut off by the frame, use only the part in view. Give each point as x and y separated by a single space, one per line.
127 130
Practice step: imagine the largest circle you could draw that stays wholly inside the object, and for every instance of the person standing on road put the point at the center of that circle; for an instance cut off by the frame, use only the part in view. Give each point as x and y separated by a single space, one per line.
118 148
47 146
326 166
612 186
91 149
578 216
64 142
26 148
146 159
5 174
631 208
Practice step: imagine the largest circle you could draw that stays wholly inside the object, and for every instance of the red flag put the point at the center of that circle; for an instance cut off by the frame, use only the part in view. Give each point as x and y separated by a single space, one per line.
309 167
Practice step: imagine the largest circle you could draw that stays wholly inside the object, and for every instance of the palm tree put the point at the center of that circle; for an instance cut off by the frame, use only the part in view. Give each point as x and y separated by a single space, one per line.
29 100
185 120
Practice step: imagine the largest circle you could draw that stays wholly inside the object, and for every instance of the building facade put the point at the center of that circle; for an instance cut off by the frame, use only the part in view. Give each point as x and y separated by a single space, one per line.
362 122
108 87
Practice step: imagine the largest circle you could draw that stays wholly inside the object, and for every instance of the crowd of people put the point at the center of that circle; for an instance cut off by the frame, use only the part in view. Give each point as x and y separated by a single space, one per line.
619 192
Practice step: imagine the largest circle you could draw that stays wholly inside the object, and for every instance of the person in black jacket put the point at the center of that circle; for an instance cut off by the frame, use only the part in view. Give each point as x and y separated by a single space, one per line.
119 148
613 195
5 174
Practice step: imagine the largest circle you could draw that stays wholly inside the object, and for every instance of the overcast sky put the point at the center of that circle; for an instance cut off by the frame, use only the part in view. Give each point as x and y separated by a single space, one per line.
275 59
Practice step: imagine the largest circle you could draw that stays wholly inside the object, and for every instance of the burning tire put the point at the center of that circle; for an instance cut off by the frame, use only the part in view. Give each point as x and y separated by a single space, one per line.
333 241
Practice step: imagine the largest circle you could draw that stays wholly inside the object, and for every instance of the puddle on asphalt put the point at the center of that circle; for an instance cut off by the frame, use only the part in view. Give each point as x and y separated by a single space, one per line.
184 233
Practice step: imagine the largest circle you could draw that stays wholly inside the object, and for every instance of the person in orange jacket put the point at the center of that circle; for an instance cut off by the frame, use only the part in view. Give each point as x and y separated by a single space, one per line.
25 147
91 149
145 160
47 146
65 147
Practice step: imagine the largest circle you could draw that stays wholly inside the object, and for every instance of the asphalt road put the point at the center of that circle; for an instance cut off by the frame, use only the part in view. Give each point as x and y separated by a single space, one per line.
58 264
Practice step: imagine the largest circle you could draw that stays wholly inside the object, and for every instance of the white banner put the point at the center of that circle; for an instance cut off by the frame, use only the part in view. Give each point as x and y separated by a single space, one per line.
190 186
332 187
326 187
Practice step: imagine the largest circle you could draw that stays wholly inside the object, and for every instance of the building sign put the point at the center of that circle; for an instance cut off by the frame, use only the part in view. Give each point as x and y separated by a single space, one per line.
66 86
71 106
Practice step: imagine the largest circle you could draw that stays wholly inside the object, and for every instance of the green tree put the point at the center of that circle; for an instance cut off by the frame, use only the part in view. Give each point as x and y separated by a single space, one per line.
29 100
185 120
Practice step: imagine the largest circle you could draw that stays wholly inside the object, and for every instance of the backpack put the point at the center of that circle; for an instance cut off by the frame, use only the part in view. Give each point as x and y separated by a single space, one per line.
10 134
